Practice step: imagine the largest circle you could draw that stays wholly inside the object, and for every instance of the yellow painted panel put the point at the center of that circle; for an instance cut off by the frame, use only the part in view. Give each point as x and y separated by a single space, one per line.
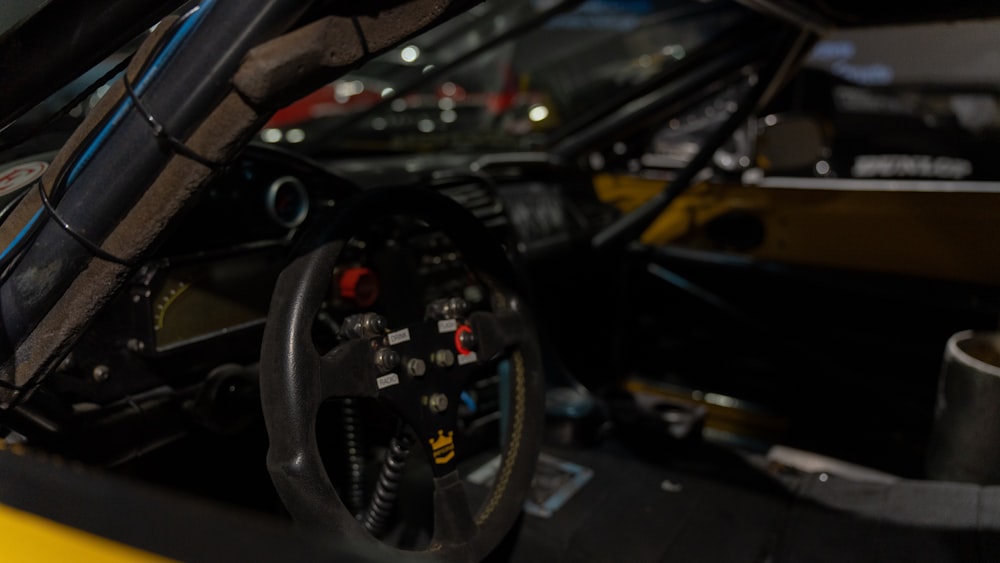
31 538
951 236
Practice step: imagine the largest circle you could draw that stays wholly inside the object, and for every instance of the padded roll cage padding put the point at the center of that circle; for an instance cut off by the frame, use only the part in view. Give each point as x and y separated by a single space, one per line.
47 304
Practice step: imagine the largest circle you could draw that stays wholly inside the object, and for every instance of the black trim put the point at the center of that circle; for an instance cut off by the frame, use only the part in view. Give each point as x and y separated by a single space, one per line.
155 520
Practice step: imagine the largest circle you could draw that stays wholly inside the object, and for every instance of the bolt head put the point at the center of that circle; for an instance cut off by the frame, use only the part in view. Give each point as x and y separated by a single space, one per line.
416 367
101 373
376 323
386 359
443 358
438 402
456 307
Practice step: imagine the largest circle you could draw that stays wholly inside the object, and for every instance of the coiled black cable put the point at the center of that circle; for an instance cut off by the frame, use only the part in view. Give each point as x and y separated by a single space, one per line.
387 486
350 419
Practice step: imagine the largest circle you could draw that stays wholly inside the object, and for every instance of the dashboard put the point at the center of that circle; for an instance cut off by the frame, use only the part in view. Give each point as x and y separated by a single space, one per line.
182 341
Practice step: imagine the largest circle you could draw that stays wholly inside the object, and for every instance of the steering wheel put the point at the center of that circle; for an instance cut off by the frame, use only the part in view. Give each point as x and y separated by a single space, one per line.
296 378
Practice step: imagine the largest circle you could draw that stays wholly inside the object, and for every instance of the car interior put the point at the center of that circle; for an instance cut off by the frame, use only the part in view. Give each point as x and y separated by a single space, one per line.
527 280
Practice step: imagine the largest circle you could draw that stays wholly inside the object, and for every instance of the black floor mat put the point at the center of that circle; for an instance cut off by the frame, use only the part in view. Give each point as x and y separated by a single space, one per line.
704 505
635 510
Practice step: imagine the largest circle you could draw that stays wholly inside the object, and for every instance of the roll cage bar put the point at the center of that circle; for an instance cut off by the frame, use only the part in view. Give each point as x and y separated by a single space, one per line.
200 86
195 92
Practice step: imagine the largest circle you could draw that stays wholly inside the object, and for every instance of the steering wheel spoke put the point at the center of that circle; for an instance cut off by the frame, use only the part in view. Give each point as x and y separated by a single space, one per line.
497 332
453 521
349 371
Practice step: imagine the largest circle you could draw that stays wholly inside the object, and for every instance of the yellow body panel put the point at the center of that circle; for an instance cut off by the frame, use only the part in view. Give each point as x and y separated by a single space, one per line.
950 236
31 538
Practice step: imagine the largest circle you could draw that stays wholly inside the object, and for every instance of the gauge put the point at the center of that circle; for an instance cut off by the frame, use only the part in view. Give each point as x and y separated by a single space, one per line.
188 308
194 301
165 298
287 202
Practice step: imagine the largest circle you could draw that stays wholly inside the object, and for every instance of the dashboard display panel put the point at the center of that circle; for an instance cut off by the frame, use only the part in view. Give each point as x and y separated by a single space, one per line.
197 300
